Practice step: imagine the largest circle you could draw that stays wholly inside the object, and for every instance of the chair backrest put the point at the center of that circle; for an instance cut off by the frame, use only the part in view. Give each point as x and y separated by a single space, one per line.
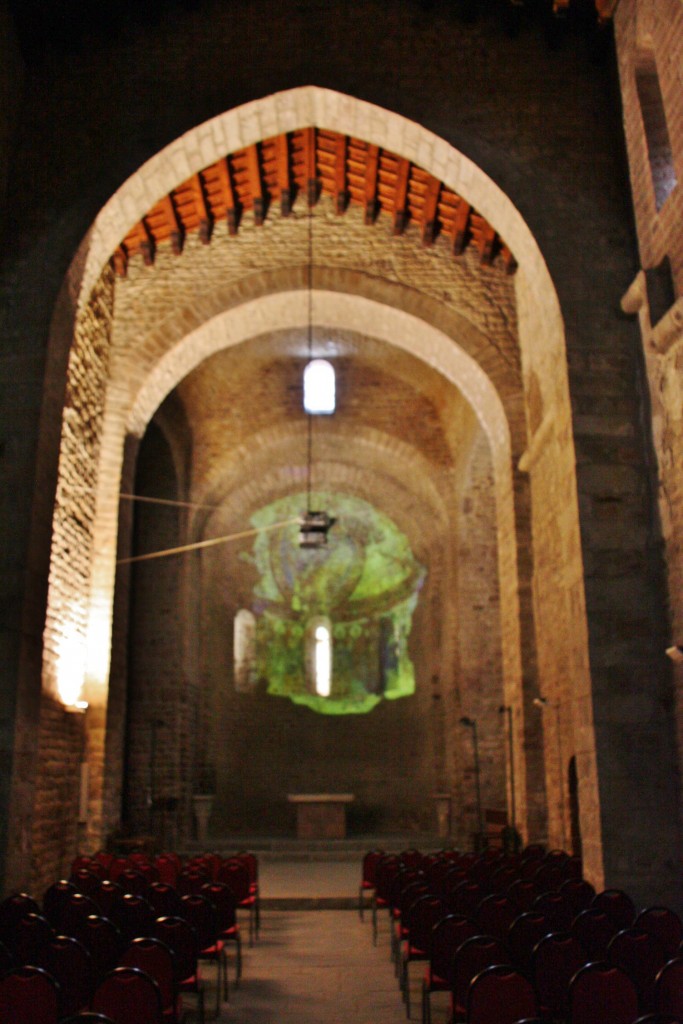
387 867
86 880
191 880
12 909
579 892
129 996
236 874
470 958
167 868
54 899
133 915
75 910
495 914
669 988
201 914
602 992
465 898
106 896
524 933
411 858
502 994
225 903
165 899
420 919
369 866
67 960
594 929
33 931
29 995
158 960
554 961
133 881
665 925
102 939
557 907
180 936
522 892
641 956
618 905
447 934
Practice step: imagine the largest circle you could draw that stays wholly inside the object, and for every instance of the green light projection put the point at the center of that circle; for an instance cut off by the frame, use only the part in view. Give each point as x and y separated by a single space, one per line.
365 581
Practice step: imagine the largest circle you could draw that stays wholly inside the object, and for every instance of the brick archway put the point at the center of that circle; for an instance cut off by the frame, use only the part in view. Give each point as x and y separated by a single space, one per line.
548 461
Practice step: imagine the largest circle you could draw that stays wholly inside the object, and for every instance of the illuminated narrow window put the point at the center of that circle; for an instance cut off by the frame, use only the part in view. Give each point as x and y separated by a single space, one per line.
319 388
323 662
318 655
244 650
656 129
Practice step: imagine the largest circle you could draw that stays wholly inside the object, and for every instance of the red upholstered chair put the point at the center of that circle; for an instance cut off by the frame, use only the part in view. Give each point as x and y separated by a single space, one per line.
500 994
155 958
447 934
225 903
618 905
54 899
642 957
602 992
554 962
525 932
523 893
503 877
387 868
12 909
75 910
86 880
165 900
29 995
411 858
133 881
451 879
190 880
420 919
495 914
7 961
557 907
669 988
470 958
103 941
235 873
579 892
133 915
67 960
92 864
201 914
129 996
251 861
367 882
181 937
465 898
665 925
594 929
167 868
106 896
405 889
33 931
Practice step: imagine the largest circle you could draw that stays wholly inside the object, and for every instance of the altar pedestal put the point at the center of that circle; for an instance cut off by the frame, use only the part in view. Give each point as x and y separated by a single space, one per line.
320 815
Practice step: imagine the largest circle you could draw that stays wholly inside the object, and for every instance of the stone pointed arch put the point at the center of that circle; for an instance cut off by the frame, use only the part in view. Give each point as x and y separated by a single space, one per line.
548 463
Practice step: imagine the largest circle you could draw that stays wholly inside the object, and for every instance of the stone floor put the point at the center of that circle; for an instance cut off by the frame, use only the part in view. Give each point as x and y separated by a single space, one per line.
317 966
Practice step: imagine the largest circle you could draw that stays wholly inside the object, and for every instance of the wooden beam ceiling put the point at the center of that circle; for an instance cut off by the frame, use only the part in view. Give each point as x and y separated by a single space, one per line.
308 163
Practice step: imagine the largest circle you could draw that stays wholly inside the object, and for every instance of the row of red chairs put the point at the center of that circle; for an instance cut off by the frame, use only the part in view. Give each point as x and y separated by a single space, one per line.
136 873
464 914
197 929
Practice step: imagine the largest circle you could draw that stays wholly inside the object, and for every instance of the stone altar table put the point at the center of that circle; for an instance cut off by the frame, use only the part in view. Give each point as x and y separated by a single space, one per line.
320 815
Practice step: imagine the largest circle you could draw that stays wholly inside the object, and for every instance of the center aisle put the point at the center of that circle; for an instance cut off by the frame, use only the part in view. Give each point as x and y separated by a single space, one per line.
319 967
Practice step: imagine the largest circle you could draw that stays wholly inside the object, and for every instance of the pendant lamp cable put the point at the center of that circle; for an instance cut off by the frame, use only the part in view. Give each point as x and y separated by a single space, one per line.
309 451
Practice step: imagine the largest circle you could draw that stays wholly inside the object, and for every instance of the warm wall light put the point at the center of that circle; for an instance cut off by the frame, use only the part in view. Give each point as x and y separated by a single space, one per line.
675 653
79 707
70 665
